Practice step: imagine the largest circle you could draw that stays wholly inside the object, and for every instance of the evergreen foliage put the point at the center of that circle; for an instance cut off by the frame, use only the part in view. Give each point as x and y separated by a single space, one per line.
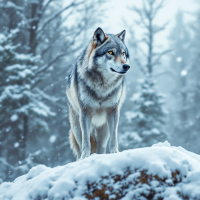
23 110
29 133
148 117
180 59
193 89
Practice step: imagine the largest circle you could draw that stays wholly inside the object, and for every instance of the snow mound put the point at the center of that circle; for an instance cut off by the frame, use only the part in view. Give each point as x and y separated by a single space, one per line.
157 172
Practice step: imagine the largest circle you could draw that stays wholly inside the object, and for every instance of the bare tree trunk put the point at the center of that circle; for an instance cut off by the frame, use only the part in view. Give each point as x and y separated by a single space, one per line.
150 47
147 16
33 26
24 138
14 18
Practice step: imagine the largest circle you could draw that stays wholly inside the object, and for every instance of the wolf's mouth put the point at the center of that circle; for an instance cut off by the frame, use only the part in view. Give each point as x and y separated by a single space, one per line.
117 72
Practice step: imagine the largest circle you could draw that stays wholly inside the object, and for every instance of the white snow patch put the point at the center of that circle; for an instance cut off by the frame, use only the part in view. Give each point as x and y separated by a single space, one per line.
135 97
129 136
155 131
14 118
161 159
52 139
162 144
2 38
1 48
184 72
152 131
16 144
179 59
149 103
35 171
131 115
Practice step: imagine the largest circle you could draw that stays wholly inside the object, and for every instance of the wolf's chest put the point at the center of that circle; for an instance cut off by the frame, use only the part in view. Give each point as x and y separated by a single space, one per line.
98 97
99 118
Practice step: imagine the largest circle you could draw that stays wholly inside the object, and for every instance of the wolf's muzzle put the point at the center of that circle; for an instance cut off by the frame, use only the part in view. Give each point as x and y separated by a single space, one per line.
126 67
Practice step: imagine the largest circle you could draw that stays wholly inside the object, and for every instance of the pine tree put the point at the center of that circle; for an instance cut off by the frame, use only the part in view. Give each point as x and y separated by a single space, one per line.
148 114
185 61
193 90
44 32
180 59
148 117
22 107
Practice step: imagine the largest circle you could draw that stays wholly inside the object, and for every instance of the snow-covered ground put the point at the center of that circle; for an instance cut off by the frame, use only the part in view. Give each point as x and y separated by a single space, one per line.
157 172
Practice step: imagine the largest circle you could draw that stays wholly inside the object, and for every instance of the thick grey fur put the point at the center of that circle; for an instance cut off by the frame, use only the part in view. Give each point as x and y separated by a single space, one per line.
95 94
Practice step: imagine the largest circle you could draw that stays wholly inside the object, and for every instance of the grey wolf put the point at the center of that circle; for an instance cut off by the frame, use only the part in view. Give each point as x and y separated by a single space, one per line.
95 92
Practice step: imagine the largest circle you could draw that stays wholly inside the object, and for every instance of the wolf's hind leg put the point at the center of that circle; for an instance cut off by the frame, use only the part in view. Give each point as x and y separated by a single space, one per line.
113 120
85 122
75 133
102 136
74 145
93 142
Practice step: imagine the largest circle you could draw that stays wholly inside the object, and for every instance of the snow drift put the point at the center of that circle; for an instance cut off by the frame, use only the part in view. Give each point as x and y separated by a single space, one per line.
157 172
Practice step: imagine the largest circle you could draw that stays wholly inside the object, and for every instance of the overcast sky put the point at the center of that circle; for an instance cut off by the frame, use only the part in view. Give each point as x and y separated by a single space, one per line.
116 9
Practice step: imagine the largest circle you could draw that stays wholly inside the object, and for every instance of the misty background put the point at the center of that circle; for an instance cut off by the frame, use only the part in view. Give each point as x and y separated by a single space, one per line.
39 42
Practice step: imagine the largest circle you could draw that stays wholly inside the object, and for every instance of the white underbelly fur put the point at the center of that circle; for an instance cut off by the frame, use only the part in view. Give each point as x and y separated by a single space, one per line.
98 119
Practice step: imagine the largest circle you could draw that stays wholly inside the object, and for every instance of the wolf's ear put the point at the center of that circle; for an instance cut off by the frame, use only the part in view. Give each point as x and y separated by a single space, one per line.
121 35
99 37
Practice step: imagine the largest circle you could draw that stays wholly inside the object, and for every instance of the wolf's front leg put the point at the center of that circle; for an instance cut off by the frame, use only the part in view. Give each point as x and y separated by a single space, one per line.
102 136
85 122
113 120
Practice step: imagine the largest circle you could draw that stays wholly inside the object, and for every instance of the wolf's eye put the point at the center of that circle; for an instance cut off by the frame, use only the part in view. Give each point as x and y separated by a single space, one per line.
122 53
110 52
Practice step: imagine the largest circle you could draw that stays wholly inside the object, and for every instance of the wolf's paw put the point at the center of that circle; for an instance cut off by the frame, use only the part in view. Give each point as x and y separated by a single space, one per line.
114 150
84 156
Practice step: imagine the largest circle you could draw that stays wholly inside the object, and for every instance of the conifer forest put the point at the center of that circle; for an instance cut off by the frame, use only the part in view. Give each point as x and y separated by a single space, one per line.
39 43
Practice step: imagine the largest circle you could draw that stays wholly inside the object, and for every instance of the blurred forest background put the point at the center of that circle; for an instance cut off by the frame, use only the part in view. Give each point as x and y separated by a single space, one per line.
39 41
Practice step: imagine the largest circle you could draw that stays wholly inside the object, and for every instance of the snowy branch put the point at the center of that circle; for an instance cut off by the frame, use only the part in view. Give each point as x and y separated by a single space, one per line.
162 73
45 7
160 56
140 65
2 160
58 13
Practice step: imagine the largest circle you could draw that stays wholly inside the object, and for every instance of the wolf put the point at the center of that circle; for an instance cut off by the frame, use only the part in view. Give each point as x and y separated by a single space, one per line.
95 91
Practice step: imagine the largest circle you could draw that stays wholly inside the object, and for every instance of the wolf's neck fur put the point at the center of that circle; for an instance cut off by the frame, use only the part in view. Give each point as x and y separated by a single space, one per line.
99 83
104 78
97 79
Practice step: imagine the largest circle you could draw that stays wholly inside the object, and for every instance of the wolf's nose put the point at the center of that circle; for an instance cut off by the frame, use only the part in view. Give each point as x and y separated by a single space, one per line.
126 67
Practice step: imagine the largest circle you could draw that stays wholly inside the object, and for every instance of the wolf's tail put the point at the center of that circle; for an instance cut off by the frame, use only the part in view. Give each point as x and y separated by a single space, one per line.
75 147
93 142
73 144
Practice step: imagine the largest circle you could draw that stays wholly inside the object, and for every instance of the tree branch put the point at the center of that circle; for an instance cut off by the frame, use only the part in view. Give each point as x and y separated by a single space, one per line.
8 164
140 66
162 73
50 63
158 7
45 7
160 56
58 13
161 28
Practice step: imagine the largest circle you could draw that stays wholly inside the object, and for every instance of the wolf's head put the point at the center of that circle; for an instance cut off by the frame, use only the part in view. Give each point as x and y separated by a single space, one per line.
108 53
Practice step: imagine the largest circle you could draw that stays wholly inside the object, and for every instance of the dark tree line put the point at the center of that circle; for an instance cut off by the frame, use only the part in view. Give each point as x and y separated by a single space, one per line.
185 65
39 41
147 116
174 71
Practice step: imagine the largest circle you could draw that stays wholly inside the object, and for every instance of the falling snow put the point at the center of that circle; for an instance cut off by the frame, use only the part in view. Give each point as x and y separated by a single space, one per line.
52 139
184 72
179 59
14 118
